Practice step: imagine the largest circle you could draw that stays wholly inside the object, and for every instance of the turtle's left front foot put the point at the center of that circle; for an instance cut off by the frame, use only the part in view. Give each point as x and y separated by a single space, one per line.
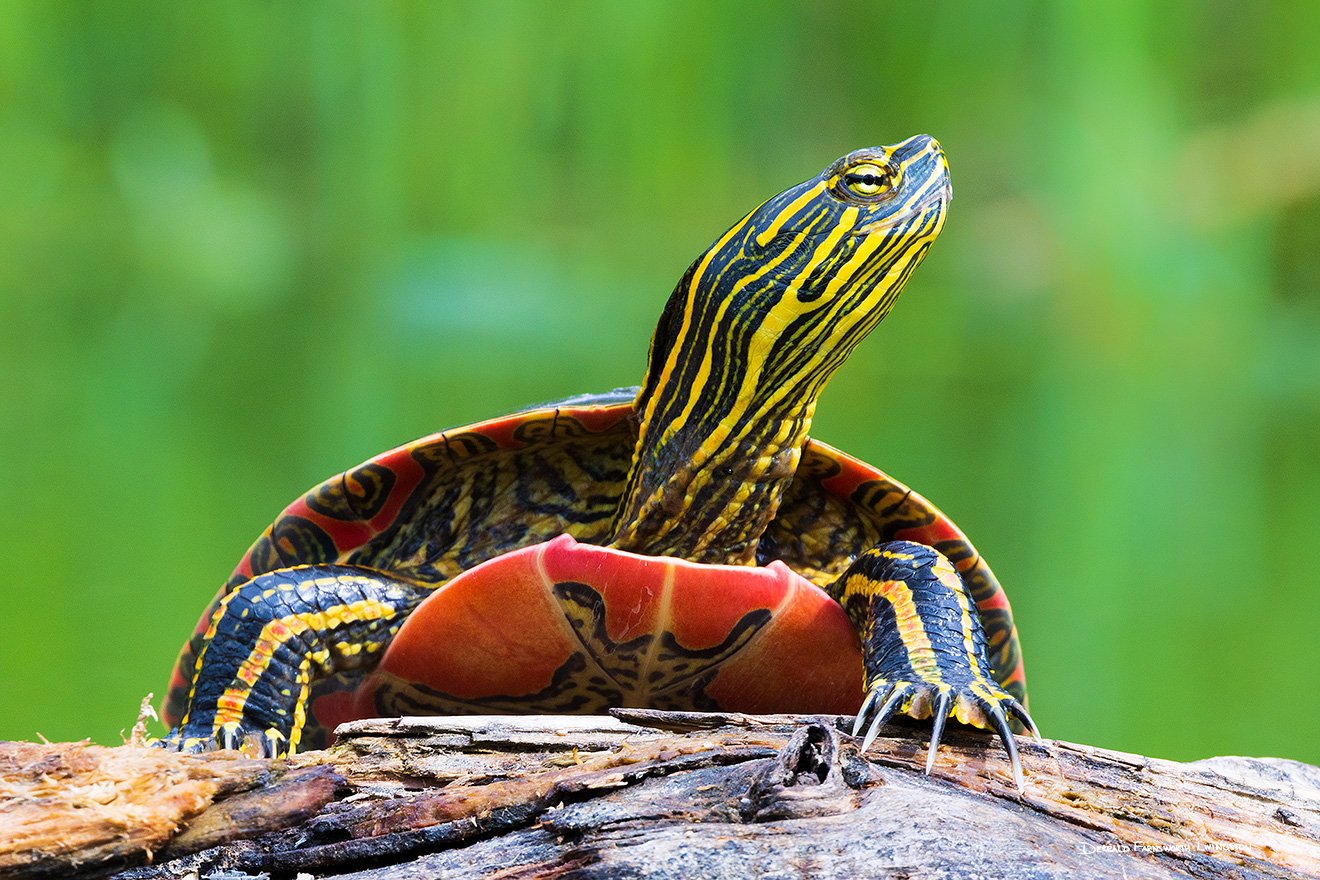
194 739
923 647
981 704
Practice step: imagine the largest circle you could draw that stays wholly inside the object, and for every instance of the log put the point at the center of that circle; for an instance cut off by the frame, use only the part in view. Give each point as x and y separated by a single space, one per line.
77 806
660 795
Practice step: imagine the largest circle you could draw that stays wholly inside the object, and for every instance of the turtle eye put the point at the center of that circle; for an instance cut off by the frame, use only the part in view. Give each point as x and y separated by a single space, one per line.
866 180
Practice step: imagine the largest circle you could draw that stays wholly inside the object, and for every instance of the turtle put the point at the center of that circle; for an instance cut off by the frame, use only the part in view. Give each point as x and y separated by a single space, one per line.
683 544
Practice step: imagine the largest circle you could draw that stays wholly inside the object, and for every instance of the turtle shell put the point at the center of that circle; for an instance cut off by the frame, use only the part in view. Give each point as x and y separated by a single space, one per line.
490 500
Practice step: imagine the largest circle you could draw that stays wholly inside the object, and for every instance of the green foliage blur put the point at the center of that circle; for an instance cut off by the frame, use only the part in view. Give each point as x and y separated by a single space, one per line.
244 246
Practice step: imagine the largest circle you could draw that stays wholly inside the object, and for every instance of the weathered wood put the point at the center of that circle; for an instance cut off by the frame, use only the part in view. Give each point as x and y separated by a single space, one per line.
97 809
1084 811
681 795
287 800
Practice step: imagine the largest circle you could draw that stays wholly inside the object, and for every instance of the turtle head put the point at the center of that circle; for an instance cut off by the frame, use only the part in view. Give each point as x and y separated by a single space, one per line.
783 297
785 294
752 333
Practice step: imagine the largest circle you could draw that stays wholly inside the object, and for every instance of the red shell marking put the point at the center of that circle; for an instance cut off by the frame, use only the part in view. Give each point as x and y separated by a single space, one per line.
619 629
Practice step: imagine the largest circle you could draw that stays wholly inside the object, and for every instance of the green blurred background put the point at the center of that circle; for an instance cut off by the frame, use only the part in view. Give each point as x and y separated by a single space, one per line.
244 246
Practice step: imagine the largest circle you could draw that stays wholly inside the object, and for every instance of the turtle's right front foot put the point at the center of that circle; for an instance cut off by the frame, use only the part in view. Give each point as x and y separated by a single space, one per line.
924 648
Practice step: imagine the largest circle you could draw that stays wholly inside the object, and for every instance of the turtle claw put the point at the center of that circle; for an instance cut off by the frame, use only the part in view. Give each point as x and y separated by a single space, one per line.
941 713
1018 711
269 743
896 693
871 696
272 743
985 707
1010 742
229 736
175 741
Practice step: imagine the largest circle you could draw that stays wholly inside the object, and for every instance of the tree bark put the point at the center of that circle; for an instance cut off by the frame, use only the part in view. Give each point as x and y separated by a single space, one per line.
660 795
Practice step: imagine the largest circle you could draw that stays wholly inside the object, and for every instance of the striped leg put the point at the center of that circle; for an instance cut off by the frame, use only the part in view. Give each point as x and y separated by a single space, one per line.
923 646
273 638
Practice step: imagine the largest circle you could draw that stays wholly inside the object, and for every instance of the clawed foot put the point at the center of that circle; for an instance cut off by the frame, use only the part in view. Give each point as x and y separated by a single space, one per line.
979 704
254 743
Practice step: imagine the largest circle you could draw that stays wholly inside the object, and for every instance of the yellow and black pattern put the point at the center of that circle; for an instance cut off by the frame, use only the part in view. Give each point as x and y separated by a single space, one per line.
359 495
653 670
560 479
923 646
566 694
750 336
272 639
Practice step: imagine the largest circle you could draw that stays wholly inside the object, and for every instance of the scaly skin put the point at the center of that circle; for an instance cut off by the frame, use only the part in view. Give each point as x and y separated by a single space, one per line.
276 635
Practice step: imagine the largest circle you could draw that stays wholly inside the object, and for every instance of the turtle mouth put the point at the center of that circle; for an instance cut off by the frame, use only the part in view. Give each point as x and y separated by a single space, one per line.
936 199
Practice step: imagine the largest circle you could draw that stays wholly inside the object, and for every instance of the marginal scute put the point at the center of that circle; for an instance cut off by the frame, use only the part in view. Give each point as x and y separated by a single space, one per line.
893 505
261 558
961 554
330 499
977 580
553 425
449 448
299 541
817 465
367 490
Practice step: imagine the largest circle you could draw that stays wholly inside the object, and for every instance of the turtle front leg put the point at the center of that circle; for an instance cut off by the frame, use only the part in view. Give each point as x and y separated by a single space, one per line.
272 638
923 646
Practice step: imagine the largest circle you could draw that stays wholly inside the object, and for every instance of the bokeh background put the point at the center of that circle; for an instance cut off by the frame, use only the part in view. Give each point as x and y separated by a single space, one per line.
244 246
